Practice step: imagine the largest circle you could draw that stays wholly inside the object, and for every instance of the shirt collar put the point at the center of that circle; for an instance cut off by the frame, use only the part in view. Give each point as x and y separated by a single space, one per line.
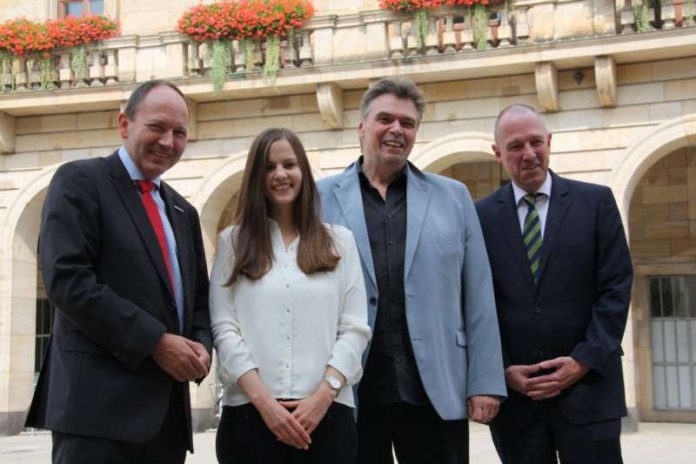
544 189
133 171
399 181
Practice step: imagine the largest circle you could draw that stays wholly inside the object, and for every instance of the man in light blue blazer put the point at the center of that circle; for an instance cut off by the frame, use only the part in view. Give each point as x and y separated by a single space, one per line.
435 358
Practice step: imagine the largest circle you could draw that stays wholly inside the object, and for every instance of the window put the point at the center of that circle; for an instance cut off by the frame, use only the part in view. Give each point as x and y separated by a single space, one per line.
673 340
44 325
80 7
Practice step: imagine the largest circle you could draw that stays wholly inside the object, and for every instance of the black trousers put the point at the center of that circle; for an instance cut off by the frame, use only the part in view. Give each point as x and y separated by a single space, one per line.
243 438
417 433
550 437
167 446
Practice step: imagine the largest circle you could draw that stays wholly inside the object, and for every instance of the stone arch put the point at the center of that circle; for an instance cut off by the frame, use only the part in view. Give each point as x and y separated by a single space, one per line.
645 152
453 149
18 264
623 180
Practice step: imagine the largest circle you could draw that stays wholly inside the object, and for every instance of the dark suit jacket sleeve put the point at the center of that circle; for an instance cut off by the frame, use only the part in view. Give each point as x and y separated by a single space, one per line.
614 275
200 326
70 244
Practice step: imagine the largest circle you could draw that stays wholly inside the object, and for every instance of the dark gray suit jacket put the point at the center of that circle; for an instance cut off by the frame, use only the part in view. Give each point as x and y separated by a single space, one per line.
104 273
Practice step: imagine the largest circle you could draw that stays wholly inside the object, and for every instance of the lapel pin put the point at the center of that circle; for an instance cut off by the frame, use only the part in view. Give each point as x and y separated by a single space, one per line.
178 209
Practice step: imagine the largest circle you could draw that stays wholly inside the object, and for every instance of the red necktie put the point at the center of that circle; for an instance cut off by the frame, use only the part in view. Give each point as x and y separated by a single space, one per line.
146 187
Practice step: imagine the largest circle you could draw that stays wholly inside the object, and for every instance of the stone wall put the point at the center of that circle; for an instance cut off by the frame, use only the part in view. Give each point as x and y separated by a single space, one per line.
663 209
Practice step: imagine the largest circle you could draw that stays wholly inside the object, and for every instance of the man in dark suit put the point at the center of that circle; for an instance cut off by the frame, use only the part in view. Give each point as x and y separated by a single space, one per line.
562 276
123 263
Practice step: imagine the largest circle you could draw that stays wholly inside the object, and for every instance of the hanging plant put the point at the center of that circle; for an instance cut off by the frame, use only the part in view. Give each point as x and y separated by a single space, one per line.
78 63
480 27
272 58
82 33
221 62
248 47
247 21
640 14
36 41
45 71
480 18
419 8
271 20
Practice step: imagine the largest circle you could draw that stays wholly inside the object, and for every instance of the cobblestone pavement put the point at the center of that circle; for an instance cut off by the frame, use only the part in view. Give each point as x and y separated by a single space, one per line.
653 443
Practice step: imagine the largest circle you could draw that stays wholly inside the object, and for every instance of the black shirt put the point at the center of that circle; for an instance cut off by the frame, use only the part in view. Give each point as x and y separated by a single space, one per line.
391 374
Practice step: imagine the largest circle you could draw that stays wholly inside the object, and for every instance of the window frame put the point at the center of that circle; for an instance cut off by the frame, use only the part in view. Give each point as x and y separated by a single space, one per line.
87 4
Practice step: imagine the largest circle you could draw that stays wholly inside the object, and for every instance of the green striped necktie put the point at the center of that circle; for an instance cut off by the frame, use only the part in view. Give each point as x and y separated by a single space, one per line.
531 234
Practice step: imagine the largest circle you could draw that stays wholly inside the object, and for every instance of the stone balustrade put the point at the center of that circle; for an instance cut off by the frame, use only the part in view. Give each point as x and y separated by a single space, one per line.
349 40
649 16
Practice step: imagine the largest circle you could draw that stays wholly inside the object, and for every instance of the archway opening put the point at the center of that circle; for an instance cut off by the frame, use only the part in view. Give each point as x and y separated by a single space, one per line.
662 230
19 317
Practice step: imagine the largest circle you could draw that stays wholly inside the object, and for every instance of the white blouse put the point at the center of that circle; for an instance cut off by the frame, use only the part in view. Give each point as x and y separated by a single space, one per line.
289 325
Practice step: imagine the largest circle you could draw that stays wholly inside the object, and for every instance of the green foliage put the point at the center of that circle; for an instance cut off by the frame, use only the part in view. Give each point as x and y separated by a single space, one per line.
480 27
420 25
640 14
272 59
221 62
78 63
248 46
45 69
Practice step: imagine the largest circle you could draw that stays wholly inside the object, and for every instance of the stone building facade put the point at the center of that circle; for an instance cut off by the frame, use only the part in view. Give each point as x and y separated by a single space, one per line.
619 95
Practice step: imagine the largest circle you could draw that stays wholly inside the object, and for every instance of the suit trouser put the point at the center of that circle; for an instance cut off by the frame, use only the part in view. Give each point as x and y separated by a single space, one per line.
167 446
417 433
550 437
243 438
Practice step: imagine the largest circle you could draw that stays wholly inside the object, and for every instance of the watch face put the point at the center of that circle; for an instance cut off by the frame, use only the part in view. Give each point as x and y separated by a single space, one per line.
334 382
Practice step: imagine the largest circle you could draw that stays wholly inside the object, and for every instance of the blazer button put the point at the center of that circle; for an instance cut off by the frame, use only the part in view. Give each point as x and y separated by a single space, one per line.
373 300
537 310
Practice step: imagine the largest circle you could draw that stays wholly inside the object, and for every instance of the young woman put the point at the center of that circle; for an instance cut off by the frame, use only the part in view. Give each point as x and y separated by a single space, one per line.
289 317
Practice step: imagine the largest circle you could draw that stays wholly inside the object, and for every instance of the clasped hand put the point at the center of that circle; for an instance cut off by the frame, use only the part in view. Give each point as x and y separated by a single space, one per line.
556 375
292 422
183 359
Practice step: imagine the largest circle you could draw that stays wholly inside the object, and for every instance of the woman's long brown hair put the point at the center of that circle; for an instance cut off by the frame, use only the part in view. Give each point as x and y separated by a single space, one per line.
252 239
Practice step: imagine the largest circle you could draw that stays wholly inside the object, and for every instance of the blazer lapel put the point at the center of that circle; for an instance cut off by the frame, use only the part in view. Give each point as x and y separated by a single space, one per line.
128 193
349 197
418 193
511 224
559 202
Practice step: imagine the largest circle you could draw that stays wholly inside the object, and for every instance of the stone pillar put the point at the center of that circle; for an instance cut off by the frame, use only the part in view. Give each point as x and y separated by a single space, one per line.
127 54
174 44
323 39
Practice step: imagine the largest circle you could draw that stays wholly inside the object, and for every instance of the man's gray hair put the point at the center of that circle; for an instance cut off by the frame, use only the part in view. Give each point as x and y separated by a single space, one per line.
400 87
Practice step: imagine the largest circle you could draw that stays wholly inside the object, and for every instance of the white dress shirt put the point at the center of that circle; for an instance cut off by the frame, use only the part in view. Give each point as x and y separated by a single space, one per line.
286 324
542 203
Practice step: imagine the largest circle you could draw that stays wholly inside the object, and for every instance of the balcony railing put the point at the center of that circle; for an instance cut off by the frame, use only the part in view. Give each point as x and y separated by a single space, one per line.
340 40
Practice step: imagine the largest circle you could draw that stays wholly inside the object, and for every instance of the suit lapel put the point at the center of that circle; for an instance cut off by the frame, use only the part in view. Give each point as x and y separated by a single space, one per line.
509 221
128 193
559 202
349 197
418 193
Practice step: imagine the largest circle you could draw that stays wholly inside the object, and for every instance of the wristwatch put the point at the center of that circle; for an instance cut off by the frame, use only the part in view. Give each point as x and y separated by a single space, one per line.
334 382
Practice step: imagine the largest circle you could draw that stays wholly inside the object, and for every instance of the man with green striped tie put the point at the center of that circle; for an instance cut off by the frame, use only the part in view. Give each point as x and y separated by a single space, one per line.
562 278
